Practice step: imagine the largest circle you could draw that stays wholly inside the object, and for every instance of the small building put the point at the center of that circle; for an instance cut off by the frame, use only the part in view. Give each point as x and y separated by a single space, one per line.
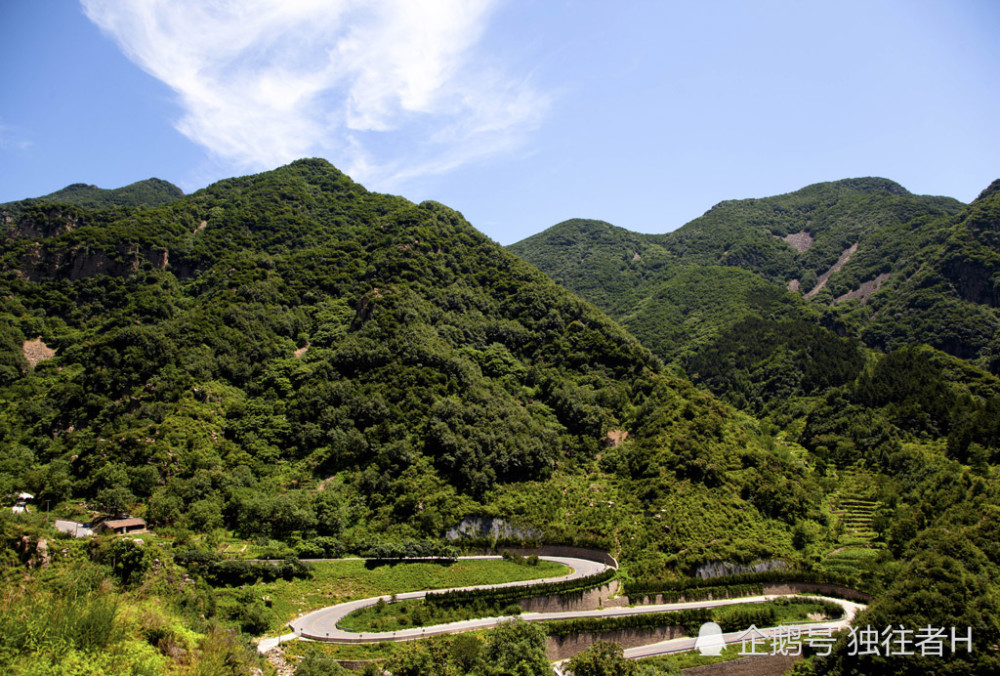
121 526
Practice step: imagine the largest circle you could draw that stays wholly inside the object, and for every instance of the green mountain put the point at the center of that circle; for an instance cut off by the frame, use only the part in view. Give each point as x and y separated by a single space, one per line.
152 192
217 357
860 321
294 361
862 258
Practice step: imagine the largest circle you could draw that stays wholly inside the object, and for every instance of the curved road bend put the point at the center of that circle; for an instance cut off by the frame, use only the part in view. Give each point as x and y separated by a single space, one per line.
680 645
321 625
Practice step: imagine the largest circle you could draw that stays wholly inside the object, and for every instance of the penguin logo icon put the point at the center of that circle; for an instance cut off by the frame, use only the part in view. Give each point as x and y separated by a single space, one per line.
710 642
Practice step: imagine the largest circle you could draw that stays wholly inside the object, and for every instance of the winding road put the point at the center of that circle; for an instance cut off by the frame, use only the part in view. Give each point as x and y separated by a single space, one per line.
321 625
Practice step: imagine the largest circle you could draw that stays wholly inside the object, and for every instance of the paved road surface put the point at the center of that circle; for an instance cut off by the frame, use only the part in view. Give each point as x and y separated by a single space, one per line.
321 625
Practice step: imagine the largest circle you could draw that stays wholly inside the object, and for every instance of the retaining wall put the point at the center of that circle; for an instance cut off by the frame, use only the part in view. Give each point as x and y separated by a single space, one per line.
589 599
766 589
564 647
586 553
816 588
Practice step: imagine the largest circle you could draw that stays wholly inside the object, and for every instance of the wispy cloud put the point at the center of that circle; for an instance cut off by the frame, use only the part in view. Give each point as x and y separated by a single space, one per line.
11 138
386 89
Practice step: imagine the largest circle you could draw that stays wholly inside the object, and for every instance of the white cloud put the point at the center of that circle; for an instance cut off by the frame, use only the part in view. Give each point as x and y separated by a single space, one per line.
386 89
11 138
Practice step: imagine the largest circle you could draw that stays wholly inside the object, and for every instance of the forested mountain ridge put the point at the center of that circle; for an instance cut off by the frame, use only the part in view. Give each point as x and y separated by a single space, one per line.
873 262
861 321
308 365
279 329
151 192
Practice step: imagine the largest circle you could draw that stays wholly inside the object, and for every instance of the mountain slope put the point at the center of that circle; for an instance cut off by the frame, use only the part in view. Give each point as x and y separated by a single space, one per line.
152 192
216 357
877 262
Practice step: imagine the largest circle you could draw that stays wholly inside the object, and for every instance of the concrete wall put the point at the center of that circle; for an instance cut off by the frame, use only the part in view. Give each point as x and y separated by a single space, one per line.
590 599
355 665
585 553
816 588
768 588
561 648
652 599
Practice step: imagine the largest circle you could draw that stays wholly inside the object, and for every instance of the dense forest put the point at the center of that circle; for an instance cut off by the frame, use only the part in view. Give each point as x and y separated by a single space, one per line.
858 322
293 360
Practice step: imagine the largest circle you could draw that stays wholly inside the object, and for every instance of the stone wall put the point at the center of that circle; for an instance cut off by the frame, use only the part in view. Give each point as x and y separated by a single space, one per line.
816 588
585 553
589 599
561 648
769 588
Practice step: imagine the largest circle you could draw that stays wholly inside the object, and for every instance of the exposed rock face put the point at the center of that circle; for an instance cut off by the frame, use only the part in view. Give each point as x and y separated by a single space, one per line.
42 558
487 527
33 554
800 241
720 568
616 437
973 279
54 221
865 290
835 268
80 262
36 351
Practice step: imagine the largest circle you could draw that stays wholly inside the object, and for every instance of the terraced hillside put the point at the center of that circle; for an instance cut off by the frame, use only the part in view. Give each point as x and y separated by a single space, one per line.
854 509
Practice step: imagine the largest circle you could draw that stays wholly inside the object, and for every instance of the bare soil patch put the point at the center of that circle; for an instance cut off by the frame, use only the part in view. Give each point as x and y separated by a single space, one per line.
800 241
865 290
835 268
36 351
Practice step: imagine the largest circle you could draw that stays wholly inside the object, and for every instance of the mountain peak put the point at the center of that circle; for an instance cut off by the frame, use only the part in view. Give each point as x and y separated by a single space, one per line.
993 189
152 192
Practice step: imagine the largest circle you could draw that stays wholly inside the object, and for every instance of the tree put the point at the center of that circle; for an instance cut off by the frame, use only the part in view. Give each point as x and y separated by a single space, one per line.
414 660
604 658
128 559
205 515
516 649
115 500
466 651
320 665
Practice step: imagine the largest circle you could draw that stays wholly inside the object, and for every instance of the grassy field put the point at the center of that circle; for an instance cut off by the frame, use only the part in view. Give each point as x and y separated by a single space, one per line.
415 613
338 581
672 664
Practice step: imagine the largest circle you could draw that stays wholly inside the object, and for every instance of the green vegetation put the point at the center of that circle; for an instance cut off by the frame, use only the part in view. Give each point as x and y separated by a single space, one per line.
735 617
290 362
107 608
926 262
152 192
605 659
882 398
319 361
332 582
416 613
674 664
507 595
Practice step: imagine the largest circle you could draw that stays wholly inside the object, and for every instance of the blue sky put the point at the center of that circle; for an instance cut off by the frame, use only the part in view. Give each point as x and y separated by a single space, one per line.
518 113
